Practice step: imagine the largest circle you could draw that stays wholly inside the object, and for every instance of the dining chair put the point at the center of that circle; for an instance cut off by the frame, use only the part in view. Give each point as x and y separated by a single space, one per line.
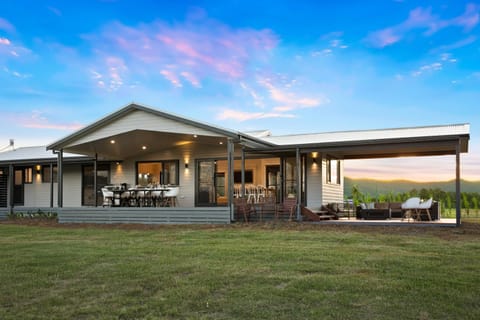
170 196
107 197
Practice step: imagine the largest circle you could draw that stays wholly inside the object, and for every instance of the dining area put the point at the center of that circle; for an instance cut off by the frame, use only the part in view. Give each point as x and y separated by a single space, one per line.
140 196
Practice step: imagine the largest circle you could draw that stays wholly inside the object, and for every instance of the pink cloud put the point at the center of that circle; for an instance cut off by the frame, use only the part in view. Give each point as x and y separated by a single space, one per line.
111 77
384 38
37 120
172 77
191 78
4 41
439 168
200 48
245 116
257 98
288 100
6 26
422 18
458 44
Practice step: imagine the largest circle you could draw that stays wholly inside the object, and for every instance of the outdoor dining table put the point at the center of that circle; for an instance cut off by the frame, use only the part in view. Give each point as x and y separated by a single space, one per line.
147 194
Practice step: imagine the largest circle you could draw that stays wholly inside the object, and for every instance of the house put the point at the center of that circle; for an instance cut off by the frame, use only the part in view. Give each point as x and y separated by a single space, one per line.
141 146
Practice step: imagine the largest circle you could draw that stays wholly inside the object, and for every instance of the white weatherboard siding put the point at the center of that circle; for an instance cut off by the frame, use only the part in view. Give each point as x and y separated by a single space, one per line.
331 192
314 183
37 194
72 186
138 119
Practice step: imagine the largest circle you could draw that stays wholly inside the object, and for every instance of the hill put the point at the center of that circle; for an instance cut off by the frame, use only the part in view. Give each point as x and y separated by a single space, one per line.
374 187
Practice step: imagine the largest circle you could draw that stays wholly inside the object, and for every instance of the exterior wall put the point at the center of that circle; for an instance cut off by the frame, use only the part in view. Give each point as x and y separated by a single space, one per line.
314 183
37 194
331 192
72 186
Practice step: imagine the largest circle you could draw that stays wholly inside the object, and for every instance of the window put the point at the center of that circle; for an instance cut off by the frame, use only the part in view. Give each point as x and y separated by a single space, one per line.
220 183
28 175
158 172
46 174
237 176
333 171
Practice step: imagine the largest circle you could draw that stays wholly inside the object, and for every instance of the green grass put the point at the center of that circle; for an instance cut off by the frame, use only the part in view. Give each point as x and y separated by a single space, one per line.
284 271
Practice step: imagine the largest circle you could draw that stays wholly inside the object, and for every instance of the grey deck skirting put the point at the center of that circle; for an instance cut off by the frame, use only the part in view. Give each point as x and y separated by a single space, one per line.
209 215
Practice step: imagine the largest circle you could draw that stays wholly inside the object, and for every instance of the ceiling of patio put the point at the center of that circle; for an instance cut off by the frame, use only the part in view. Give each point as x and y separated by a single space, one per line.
140 142
373 149
397 148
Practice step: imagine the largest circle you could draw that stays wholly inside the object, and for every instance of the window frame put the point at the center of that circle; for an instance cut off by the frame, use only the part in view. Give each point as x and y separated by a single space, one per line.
330 169
163 162
46 175
28 175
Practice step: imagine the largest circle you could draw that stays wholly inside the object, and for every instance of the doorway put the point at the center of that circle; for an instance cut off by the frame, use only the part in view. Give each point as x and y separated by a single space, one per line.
91 197
18 187
273 180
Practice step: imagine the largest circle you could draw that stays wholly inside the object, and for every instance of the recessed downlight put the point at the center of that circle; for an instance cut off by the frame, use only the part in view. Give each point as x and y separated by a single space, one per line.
144 147
112 141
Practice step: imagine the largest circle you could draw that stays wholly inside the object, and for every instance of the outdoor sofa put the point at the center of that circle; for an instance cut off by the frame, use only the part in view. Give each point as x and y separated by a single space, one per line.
389 210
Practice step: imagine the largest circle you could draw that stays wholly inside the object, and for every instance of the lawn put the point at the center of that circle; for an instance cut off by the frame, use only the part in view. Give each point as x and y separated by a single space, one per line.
268 271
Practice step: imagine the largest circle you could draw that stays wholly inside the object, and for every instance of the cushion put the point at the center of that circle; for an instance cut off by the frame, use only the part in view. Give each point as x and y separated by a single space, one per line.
381 205
363 206
395 205
371 205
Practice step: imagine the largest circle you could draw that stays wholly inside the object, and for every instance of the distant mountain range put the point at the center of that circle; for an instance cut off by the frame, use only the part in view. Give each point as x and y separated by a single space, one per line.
374 187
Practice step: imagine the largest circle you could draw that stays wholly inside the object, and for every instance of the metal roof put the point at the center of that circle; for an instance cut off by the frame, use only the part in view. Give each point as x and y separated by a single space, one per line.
369 135
32 154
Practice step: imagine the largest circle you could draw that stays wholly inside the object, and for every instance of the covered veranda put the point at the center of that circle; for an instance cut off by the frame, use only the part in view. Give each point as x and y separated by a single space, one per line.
449 140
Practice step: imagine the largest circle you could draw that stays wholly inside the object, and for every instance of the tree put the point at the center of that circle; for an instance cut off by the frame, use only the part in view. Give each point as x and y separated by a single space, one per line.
448 202
475 204
466 203
356 195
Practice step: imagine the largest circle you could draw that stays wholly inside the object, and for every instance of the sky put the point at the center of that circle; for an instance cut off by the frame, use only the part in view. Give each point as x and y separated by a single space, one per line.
286 66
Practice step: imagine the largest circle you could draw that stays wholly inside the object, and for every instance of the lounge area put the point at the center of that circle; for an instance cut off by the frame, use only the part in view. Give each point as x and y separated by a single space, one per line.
411 209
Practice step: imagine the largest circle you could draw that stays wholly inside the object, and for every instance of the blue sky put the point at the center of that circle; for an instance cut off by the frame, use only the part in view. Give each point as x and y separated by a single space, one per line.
288 66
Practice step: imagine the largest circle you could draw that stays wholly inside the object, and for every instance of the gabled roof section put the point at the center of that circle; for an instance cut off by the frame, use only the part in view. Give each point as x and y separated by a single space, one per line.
454 130
33 154
135 116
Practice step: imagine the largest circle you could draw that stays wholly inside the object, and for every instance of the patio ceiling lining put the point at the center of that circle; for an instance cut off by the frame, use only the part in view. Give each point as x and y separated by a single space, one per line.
129 144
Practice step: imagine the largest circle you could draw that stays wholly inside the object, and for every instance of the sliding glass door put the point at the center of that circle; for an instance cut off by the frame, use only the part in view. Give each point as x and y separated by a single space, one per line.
91 197
205 195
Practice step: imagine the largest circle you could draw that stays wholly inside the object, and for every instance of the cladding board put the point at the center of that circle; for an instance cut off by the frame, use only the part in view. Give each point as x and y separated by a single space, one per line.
314 184
331 192
72 186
